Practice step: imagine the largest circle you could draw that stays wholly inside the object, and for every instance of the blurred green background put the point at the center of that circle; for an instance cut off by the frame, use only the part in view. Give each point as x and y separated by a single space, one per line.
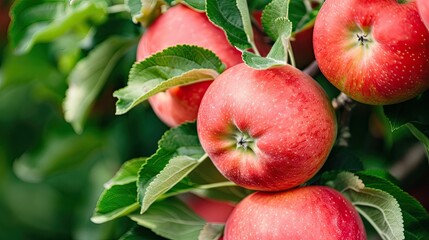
51 177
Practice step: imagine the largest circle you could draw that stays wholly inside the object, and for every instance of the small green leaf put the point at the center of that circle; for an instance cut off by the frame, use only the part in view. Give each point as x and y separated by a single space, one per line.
275 19
421 133
412 114
301 14
412 111
145 11
247 24
226 15
380 208
88 78
171 219
276 57
116 201
128 172
198 5
176 169
120 196
178 65
179 152
45 20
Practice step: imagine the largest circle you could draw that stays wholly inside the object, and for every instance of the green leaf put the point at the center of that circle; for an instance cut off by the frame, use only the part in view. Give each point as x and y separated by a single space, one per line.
421 133
88 78
140 233
145 11
175 170
178 65
416 218
412 111
116 201
45 20
275 19
412 114
59 153
171 219
120 195
247 24
377 206
198 5
206 174
128 172
276 57
226 15
179 153
301 14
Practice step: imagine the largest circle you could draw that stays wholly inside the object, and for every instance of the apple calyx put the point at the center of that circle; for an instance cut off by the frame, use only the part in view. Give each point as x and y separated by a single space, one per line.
244 141
362 38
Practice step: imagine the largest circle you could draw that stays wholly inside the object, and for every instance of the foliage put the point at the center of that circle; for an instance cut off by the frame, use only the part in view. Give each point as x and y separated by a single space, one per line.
61 142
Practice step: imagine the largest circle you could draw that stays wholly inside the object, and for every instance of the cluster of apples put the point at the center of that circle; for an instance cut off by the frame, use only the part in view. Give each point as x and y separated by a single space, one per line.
272 130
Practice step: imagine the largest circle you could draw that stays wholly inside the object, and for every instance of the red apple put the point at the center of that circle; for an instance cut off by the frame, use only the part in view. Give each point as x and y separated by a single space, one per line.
313 212
375 51
181 25
210 210
266 129
423 6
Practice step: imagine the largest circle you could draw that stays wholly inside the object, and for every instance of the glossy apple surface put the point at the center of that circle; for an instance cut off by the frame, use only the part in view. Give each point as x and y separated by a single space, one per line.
375 51
266 129
310 213
181 25
423 6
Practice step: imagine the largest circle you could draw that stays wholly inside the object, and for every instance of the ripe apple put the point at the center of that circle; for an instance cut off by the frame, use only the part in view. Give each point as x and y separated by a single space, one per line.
268 129
182 25
423 6
210 210
377 51
313 212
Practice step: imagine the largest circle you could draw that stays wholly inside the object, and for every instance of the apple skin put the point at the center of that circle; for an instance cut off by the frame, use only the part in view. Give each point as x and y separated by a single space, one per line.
310 213
212 211
390 66
182 25
266 130
423 6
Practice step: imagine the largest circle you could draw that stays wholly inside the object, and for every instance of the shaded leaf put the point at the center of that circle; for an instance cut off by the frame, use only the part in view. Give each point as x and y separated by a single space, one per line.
171 219
45 20
88 78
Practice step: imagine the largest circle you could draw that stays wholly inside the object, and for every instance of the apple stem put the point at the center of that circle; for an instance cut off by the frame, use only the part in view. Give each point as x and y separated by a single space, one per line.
344 105
200 187
255 48
217 185
290 52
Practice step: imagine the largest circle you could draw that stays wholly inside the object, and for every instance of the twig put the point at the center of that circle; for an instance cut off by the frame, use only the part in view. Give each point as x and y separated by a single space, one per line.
312 69
344 105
